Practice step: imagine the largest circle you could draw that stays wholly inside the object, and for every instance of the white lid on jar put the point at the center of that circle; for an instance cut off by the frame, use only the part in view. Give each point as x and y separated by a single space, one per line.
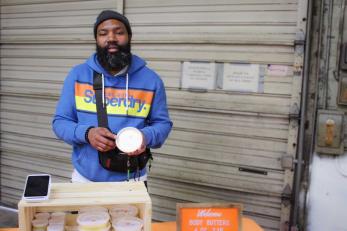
93 209
128 224
58 214
124 210
93 219
129 139
55 227
37 223
42 215
57 220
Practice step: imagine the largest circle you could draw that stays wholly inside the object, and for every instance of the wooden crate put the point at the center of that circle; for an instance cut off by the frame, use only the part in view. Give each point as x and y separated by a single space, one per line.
70 197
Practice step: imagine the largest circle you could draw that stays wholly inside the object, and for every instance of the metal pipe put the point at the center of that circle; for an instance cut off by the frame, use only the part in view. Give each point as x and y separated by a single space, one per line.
327 54
298 170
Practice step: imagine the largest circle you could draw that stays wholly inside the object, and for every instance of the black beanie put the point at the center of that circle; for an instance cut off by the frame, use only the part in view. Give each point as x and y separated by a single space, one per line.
109 14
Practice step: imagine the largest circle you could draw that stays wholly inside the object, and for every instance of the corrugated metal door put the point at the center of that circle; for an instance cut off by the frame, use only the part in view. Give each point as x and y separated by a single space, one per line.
40 41
225 146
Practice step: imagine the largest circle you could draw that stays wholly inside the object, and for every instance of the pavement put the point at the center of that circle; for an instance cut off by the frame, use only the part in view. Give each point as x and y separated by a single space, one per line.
8 217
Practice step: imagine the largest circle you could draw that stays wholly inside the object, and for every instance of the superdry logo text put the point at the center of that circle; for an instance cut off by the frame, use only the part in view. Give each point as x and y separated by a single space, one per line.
139 101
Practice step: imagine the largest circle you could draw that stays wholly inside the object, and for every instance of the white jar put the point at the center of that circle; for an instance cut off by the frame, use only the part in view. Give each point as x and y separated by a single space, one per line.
129 139
55 227
42 216
58 214
39 224
93 221
128 224
123 210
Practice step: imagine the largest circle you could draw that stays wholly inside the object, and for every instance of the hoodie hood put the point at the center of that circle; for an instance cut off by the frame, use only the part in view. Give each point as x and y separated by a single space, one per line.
136 64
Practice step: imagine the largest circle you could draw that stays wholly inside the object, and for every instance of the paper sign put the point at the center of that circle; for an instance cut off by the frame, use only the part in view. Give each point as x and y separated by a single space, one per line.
278 70
241 77
209 217
199 75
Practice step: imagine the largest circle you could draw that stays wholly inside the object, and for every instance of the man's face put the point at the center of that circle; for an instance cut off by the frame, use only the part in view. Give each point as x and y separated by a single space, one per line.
112 45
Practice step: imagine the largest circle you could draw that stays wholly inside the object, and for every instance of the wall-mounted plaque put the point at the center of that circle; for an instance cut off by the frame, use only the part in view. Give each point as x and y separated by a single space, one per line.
241 77
279 70
199 75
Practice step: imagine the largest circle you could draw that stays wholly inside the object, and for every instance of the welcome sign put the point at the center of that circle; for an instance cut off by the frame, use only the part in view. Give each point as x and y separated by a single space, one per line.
209 217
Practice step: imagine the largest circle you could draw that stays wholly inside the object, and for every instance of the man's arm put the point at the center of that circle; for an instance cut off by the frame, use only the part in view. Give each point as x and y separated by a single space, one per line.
159 124
65 124
67 127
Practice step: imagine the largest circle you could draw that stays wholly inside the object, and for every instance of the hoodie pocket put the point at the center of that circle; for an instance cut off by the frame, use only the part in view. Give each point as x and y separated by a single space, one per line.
81 153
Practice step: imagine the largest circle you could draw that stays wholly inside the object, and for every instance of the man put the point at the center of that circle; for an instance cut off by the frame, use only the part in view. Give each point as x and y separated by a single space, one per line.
134 96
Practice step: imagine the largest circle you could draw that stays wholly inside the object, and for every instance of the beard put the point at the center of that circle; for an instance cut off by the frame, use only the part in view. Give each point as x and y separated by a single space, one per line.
115 61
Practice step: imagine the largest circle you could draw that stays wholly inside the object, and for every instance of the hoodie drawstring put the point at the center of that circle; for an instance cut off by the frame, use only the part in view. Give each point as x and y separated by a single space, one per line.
126 92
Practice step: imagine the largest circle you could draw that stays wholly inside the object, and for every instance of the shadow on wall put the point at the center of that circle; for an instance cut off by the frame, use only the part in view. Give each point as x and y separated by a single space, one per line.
8 217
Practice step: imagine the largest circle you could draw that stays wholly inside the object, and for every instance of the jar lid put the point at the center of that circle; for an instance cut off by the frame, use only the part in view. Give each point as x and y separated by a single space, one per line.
129 139
124 210
55 227
58 214
39 223
93 219
57 220
128 224
42 215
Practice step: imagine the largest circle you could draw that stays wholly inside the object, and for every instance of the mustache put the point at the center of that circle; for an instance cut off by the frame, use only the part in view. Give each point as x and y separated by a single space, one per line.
112 45
115 60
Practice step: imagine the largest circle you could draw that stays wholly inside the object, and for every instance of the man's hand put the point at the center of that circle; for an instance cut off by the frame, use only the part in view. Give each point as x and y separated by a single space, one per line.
101 139
140 150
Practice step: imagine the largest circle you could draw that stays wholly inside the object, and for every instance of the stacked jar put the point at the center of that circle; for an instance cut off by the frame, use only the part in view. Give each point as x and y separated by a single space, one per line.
40 221
124 218
57 221
93 219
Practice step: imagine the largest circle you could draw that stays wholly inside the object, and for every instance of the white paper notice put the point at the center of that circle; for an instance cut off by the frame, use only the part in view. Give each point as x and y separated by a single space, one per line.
199 75
278 70
241 77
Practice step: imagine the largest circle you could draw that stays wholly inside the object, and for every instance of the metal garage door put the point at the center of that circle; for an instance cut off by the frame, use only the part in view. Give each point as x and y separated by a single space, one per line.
225 145
40 41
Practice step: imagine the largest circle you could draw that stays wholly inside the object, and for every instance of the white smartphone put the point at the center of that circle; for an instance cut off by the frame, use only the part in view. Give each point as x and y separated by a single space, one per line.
37 187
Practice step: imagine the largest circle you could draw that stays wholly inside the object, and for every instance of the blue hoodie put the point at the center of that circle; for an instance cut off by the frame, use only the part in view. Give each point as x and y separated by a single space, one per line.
76 111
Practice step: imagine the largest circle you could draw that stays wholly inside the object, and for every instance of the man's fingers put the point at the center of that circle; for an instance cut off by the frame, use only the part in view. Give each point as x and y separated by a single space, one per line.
105 141
106 133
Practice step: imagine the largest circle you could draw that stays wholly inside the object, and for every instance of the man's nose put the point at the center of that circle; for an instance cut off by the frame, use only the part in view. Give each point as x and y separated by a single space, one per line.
112 37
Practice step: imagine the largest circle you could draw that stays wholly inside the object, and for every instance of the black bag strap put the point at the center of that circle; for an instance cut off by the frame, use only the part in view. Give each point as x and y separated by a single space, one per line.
100 109
105 158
